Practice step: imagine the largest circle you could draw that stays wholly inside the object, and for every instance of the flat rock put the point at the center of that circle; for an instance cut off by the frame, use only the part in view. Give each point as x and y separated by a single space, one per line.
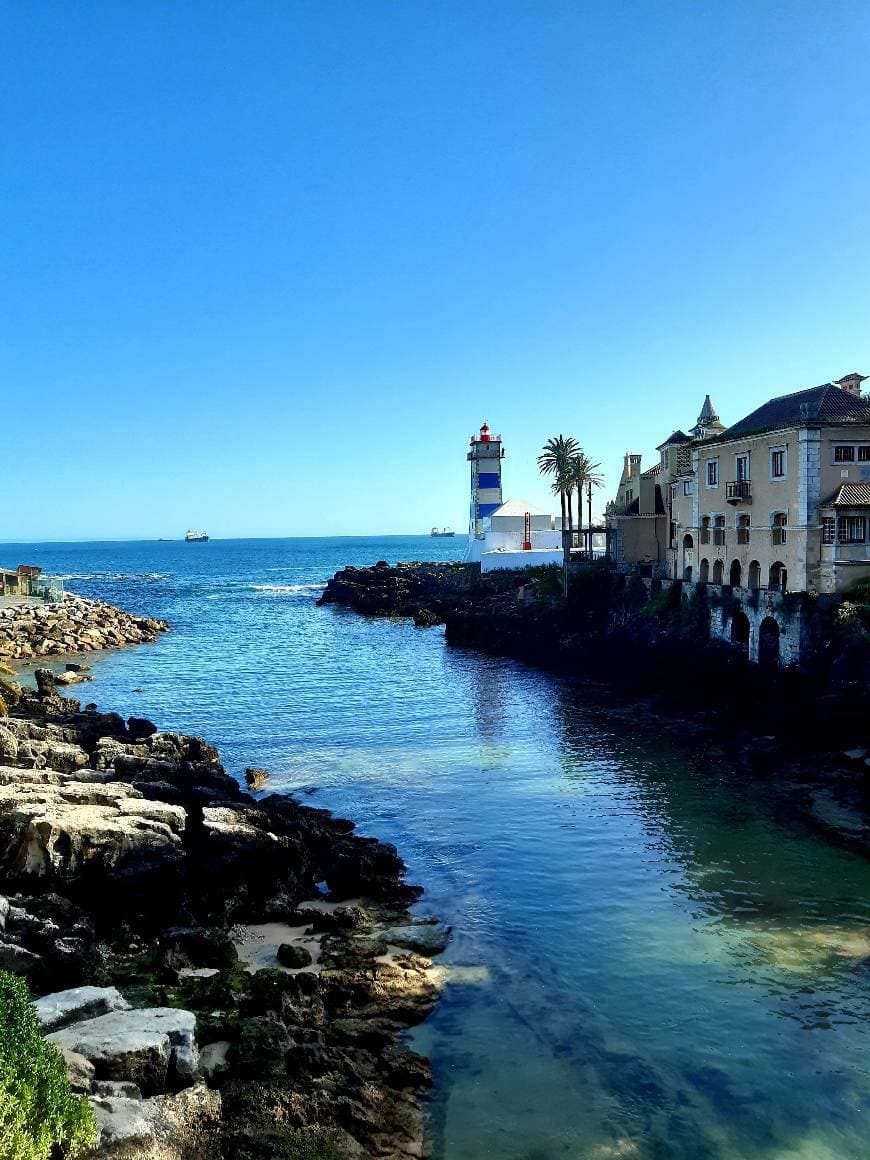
61 1008
79 1071
152 1047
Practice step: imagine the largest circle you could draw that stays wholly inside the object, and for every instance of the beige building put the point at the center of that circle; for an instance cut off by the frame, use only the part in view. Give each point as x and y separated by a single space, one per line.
781 499
650 504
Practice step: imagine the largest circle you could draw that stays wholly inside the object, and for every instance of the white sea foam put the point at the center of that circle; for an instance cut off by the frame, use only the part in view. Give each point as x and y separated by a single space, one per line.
115 576
287 587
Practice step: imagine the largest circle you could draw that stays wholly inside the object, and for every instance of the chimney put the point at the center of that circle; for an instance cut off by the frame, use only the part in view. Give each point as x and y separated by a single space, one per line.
851 383
634 461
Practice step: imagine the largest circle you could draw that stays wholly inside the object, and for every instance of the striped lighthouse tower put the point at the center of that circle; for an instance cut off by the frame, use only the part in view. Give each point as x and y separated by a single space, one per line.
485 458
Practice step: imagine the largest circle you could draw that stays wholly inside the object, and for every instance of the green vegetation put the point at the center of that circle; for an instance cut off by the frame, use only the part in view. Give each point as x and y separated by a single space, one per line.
572 470
10 690
38 1111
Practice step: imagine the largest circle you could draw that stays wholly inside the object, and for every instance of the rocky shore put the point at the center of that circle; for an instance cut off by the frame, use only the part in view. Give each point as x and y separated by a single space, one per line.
225 975
72 625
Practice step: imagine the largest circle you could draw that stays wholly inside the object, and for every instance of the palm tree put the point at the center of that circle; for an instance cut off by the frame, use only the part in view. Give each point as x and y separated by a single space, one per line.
583 473
10 691
555 459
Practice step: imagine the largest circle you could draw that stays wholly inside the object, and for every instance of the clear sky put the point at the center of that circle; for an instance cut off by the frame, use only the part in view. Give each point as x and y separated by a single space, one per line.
265 265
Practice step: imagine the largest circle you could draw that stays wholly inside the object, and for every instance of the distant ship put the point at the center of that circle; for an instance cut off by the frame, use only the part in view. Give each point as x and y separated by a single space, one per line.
442 532
196 537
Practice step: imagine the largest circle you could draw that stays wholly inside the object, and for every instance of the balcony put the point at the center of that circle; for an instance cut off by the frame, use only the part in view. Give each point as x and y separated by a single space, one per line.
739 491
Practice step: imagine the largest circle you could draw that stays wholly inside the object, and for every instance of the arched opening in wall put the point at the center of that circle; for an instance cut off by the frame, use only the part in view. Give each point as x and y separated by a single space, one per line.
754 574
688 556
768 642
734 574
704 571
718 571
740 631
743 528
778 577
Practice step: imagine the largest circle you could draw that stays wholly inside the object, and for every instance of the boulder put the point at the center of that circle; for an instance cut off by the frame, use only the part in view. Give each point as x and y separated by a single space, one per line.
256 778
154 1047
293 956
76 1004
184 1126
79 1071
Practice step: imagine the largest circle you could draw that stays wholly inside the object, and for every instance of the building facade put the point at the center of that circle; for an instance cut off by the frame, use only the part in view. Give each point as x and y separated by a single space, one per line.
778 502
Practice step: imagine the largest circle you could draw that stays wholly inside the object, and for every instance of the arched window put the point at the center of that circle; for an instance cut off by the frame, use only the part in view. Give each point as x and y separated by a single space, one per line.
778 577
718 571
743 529
734 575
740 631
754 580
688 542
704 571
768 642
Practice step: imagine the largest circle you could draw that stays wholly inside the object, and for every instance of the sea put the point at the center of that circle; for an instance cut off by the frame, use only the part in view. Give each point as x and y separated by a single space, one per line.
651 956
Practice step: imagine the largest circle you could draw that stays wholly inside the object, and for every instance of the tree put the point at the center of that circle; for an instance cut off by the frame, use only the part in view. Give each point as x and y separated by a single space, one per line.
583 473
38 1111
555 459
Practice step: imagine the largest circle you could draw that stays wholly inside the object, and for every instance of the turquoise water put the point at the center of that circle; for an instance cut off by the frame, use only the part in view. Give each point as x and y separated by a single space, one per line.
650 958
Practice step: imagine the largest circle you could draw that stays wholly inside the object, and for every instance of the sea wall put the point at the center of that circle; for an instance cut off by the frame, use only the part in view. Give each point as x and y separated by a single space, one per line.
74 624
209 997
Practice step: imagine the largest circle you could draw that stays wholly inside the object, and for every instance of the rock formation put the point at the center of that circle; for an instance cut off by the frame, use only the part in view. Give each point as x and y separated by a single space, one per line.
74 624
205 993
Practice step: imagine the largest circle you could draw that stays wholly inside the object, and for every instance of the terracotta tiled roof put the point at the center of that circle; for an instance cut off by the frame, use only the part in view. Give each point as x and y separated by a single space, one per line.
827 403
652 470
853 495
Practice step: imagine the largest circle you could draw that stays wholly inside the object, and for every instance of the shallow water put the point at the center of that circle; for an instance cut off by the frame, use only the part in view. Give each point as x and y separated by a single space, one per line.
650 958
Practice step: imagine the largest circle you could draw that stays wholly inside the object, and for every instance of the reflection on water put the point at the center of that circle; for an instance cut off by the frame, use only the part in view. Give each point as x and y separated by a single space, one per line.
651 959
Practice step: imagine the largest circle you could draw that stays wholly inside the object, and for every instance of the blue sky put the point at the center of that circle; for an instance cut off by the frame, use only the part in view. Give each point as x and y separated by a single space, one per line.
265 266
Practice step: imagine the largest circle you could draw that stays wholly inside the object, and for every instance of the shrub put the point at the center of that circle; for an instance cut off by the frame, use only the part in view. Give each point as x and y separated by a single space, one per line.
37 1108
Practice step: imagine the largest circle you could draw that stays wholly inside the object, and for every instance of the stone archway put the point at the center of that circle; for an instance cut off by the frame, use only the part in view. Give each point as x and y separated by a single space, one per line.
718 571
734 576
754 574
778 577
768 642
740 631
704 571
688 556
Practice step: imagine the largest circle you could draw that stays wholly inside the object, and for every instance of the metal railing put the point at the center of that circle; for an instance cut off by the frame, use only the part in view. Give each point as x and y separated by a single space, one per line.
737 491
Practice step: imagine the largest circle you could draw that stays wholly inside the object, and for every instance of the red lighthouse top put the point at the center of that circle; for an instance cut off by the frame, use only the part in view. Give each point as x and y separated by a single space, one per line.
484 433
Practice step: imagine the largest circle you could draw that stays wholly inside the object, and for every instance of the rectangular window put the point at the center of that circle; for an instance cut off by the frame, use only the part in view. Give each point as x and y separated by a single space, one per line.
777 463
844 454
687 484
828 528
853 529
712 473
864 453
742 464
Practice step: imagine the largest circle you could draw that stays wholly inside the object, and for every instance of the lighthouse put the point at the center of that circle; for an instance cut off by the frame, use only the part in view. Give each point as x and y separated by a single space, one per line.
485 457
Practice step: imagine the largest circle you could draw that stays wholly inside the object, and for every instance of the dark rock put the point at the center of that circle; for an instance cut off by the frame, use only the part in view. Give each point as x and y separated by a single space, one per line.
140 727
290 955
256 778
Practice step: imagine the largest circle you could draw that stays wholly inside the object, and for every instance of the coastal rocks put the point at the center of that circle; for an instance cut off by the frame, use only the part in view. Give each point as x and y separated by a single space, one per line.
61 1008
153 1047
182 1126
127 856
74 624
423 591
61 829
256 779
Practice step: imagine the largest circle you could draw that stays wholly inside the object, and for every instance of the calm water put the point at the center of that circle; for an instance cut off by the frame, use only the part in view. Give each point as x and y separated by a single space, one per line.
649 959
